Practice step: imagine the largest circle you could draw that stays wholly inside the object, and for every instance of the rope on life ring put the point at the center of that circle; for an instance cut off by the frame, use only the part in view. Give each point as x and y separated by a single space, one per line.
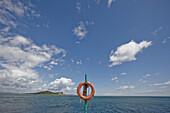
85 88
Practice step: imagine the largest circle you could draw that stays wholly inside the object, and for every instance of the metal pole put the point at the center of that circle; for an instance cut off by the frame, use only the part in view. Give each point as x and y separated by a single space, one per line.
85 106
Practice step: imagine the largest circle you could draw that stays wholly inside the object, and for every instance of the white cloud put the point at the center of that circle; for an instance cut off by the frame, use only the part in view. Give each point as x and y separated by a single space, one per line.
147 75
48 67
110 2
80 31
127 52
79 62
20 49
152 93
18 78
62 84
161 84
77 42
19 56
139 92
157 73
123 73
157 30
17 8
140 79
165 40
72 60
115 78
19 40
54 63
78 7
126 87
43 88
89 23
6 29
11 11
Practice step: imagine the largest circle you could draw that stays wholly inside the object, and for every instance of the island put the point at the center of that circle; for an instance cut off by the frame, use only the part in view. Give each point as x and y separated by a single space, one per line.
46 93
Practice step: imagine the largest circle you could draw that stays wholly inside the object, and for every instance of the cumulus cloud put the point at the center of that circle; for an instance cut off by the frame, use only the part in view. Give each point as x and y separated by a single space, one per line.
18 78
115 78
18 58
126 87
110 2
161 84
62 84
80 31
127 52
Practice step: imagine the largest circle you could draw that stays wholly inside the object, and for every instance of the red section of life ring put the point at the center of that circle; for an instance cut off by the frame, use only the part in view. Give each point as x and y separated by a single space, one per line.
85 97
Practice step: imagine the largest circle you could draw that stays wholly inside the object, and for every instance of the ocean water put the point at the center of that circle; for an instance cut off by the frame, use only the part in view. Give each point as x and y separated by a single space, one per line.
17 103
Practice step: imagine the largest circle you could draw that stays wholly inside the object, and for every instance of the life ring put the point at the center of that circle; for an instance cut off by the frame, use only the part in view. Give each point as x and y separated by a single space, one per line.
85 97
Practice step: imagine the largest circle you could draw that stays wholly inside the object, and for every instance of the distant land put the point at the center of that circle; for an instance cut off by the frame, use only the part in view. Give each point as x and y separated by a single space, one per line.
46 93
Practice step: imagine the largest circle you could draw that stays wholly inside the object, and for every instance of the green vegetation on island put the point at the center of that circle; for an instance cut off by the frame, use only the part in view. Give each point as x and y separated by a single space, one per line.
46 93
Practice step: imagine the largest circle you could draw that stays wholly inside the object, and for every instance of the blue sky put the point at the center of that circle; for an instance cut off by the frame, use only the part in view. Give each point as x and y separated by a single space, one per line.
123 46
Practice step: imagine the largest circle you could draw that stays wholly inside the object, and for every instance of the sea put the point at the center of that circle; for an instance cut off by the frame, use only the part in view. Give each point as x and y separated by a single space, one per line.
19 103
